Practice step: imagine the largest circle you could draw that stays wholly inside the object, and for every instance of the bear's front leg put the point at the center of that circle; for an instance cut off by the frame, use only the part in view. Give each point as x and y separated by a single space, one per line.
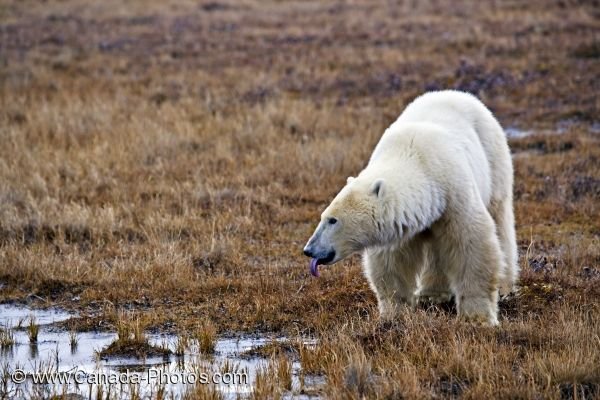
474 261
392 274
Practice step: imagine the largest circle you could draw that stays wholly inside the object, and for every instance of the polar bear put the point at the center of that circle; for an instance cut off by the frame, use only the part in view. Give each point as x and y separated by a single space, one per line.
432 211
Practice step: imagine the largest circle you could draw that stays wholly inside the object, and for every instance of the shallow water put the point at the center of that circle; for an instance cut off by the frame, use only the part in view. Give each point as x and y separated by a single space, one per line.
13 315
516 133
562 127
84 373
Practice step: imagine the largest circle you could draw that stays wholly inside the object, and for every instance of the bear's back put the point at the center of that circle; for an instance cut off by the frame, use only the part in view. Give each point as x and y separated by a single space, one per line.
448 108
452 125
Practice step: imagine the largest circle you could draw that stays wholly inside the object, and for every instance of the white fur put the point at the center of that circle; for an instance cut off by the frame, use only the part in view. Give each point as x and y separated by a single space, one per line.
432 210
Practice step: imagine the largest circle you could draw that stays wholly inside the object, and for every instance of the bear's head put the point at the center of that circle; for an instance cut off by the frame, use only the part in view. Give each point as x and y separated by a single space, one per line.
350 223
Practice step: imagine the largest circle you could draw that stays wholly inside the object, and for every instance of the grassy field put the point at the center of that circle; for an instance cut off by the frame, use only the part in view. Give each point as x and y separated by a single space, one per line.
171 158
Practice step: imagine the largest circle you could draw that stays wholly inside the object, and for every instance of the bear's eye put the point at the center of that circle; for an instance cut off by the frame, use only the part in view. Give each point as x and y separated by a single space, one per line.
332 221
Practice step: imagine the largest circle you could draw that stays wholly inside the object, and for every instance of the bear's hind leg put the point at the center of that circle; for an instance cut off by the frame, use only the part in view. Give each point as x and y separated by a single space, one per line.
503 215
392 274
474 261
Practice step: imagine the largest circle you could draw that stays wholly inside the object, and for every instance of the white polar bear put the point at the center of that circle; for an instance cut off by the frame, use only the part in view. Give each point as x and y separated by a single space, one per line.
432 211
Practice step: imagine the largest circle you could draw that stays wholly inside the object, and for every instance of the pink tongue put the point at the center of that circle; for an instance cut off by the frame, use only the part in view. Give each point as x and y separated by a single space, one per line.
314 269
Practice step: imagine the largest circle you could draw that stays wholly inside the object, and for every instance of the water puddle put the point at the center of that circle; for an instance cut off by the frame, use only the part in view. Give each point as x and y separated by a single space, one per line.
562 127
516 133
17 316
79 371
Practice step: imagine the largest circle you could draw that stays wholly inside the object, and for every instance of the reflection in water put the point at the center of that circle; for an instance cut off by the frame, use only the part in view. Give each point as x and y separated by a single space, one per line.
83 372
33 351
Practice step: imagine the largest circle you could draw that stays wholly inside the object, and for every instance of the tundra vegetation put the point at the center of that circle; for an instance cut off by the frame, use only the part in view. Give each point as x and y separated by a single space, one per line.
167 160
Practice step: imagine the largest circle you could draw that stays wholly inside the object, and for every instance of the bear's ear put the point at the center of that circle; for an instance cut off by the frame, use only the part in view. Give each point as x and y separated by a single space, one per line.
350 179
377 188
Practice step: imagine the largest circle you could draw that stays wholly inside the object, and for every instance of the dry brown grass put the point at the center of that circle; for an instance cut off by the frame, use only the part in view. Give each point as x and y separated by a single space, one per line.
172 158
131 340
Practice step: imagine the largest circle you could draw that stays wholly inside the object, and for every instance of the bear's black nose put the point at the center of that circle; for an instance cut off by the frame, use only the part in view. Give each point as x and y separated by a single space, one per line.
308 253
